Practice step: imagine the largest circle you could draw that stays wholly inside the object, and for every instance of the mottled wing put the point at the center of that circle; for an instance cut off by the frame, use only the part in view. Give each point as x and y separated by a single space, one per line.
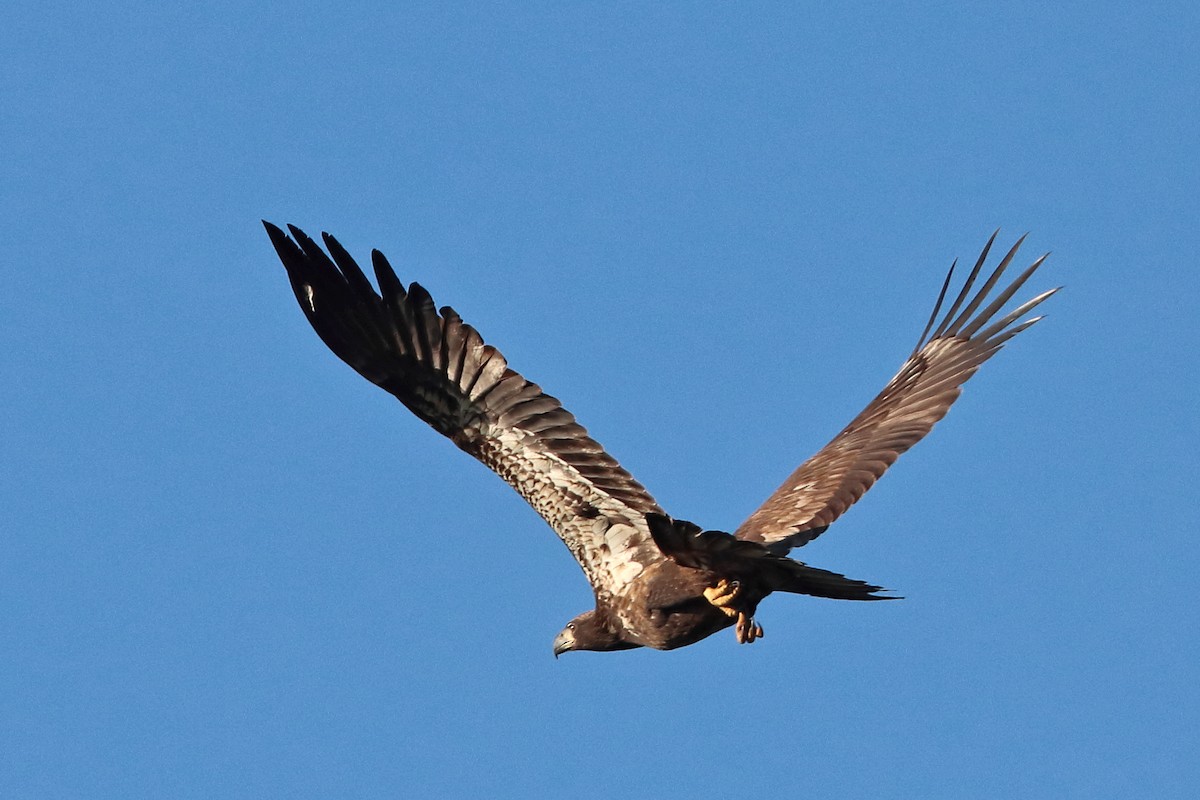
440 368
923 390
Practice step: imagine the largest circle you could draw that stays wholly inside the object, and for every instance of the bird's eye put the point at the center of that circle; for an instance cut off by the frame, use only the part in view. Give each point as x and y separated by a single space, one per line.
571 626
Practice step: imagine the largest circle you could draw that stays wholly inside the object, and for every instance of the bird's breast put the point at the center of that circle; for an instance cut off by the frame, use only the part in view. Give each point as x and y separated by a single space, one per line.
665 607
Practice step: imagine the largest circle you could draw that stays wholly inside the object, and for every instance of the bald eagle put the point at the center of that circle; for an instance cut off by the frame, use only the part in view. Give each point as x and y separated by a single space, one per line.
659 582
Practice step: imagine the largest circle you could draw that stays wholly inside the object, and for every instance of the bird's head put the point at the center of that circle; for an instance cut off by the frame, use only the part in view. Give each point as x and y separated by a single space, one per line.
588 632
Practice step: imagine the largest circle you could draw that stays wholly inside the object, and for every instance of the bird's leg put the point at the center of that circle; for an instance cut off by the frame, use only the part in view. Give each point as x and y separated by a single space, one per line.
747 629
723 595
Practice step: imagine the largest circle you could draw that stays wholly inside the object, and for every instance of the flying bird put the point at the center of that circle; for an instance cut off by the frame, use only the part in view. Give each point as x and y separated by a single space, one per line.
659 582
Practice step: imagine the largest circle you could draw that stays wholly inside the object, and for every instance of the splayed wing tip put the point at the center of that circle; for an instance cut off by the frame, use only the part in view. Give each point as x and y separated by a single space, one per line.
922 391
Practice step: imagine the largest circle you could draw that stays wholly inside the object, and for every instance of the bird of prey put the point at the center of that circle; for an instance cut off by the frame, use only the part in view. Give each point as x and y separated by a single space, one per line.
659 582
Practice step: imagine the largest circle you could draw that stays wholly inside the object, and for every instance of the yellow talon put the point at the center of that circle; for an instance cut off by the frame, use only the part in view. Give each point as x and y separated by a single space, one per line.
723 595
747 629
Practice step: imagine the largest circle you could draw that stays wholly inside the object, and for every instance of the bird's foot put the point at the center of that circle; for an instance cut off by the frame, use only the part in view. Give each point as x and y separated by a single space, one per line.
747 629
723 595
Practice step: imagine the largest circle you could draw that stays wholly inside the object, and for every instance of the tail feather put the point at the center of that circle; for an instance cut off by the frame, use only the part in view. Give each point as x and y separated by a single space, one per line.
722 553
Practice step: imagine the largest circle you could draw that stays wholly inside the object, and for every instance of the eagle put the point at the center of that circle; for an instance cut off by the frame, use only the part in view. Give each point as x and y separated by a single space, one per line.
658 581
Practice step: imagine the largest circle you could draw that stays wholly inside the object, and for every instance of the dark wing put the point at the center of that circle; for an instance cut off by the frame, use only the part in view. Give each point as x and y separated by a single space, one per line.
439 367
923 390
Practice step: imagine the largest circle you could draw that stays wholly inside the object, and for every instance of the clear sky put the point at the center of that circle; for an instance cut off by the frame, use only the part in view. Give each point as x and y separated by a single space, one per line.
230 568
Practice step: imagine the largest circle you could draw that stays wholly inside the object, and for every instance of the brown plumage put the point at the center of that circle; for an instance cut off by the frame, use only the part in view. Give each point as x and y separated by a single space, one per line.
658 582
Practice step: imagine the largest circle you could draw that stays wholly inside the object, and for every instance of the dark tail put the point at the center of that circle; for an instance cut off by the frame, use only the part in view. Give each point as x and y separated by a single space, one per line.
715 551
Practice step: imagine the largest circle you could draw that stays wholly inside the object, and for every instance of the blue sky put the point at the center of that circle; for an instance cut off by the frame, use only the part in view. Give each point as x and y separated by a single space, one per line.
231 568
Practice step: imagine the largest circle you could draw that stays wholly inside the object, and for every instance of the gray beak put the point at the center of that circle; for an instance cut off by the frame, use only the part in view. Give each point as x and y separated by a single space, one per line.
563 643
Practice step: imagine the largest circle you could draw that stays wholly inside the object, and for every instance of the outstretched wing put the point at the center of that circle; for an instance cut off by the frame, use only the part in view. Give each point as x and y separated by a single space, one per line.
440 368
823 487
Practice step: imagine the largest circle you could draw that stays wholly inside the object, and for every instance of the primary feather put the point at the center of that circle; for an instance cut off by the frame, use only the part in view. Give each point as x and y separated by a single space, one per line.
654 578
440 368
920 394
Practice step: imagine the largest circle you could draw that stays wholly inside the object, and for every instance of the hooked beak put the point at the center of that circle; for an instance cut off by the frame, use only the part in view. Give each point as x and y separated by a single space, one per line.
563 642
